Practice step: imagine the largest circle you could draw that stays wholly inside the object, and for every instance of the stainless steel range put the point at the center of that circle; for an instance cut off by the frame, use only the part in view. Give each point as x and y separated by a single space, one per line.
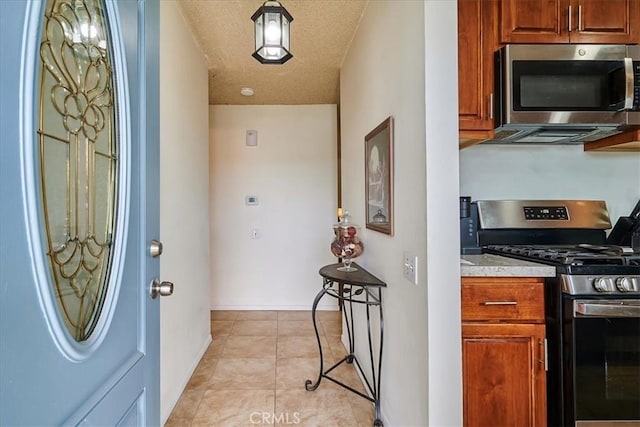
592 306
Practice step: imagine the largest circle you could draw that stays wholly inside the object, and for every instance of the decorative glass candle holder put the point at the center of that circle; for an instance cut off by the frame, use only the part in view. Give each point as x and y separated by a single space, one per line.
346 244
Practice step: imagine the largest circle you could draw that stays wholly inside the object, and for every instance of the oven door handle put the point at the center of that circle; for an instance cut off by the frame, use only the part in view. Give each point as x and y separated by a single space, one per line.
619 308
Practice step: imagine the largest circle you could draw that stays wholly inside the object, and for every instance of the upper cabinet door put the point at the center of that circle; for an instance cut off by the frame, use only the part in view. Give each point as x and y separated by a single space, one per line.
470 65
477 42
606 21
534 21
570 21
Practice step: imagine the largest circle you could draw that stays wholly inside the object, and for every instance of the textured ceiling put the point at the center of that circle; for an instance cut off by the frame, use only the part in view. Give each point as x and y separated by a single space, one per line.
321 32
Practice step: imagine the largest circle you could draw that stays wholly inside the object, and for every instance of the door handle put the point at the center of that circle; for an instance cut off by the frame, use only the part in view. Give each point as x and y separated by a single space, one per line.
491 106
164 289
544 360
580 28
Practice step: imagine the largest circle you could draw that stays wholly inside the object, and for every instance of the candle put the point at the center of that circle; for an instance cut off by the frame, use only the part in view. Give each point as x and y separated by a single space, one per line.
339 212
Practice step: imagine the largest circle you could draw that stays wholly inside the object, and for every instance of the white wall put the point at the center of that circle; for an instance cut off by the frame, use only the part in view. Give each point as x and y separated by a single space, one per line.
384 74
184 205
443 207
293 172
543 172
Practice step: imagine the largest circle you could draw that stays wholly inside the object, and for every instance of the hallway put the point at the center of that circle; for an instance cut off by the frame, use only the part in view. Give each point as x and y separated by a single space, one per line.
254 373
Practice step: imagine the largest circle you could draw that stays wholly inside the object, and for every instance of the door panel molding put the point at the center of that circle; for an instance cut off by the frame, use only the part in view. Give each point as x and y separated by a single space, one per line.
119 394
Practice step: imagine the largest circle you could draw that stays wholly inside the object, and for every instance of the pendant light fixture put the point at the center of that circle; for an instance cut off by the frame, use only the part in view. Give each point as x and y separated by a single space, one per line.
272 30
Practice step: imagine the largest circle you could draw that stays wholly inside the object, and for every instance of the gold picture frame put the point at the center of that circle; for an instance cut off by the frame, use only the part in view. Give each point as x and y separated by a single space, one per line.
378 177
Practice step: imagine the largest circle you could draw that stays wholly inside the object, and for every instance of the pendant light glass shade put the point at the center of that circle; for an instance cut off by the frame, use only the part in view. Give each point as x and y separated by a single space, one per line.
272 23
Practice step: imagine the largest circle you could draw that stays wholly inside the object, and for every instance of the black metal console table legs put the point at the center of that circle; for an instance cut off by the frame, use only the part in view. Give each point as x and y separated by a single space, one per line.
370 295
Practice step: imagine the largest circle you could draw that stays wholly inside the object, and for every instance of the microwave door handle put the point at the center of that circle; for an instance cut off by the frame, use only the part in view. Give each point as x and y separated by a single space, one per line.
626 103
628 76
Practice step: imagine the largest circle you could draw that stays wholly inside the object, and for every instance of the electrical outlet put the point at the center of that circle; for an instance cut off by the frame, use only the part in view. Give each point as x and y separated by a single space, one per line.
410 267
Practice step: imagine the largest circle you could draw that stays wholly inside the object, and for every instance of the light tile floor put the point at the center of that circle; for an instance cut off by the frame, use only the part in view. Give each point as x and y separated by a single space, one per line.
254 373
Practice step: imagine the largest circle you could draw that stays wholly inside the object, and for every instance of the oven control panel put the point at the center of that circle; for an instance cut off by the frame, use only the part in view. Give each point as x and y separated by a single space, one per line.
546 213
594 285
543 214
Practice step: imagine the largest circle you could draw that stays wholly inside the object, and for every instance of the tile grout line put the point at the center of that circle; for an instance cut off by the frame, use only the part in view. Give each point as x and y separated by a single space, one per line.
193 417
322 331
204 391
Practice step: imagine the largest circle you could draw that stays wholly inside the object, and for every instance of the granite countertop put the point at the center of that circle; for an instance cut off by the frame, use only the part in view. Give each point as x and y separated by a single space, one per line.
487 265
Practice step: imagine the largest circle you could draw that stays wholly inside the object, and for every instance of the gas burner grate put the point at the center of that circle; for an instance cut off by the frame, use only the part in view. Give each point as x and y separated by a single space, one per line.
587 255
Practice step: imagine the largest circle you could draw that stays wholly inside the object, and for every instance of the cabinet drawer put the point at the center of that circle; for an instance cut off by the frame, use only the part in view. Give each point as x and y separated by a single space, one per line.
520 300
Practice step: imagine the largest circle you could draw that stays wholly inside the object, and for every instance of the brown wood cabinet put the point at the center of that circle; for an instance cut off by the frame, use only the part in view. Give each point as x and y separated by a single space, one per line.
503 352
570 21
486 25
626 141
477 42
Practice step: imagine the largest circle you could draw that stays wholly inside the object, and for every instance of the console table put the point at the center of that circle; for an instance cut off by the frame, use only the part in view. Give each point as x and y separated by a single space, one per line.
354 287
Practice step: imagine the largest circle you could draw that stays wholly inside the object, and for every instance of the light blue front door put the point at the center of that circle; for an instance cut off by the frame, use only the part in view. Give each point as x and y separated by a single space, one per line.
79 160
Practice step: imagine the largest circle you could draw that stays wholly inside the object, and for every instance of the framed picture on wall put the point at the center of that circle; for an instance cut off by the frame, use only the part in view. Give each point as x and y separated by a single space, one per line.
378 170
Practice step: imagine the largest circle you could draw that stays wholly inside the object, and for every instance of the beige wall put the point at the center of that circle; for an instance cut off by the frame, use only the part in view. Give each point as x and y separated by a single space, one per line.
184 205
292 171
384 74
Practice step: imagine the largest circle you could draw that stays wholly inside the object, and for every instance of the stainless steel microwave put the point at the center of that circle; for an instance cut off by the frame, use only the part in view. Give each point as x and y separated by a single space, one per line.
564 93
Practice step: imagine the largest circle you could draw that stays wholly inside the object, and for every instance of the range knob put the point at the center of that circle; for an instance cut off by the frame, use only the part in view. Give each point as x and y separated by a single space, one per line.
604 284
627 284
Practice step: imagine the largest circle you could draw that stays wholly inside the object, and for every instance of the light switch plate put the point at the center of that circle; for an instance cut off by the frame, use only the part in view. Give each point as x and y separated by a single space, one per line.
410 267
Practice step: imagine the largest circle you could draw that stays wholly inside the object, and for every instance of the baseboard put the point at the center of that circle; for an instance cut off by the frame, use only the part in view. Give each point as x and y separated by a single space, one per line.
174 399
325 307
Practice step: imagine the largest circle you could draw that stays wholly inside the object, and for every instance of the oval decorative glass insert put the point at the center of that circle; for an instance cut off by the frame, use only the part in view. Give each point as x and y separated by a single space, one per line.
78 158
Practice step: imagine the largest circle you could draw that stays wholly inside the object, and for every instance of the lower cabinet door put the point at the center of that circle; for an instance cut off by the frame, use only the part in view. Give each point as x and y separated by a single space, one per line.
503 374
